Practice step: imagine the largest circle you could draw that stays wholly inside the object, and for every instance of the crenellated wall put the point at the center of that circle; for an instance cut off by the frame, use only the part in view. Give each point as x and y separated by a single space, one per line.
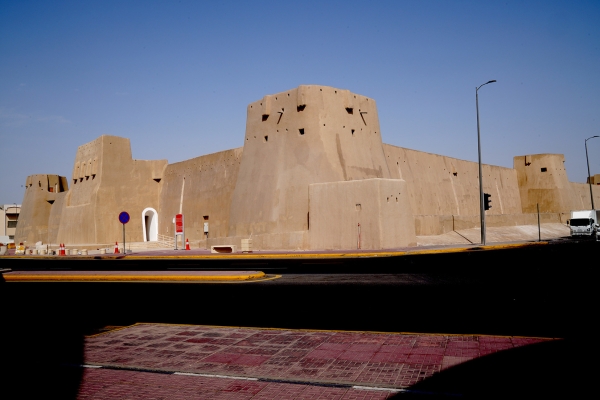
312 167
41 192
105 181
311 134
543 180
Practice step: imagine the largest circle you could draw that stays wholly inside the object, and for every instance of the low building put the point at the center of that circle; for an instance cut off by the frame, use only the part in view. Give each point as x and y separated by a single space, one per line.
10 217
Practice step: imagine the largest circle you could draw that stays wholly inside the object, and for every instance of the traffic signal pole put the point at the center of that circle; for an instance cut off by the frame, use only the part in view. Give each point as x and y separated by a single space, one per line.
481 206
481 210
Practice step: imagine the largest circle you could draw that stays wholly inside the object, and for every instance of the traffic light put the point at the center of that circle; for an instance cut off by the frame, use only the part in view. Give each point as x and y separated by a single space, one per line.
487 201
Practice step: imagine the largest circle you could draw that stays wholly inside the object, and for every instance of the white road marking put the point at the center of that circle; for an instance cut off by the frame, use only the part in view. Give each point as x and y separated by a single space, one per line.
378 388
216 376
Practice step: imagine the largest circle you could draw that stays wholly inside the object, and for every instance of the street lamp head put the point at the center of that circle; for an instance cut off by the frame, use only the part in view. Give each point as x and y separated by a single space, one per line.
491 81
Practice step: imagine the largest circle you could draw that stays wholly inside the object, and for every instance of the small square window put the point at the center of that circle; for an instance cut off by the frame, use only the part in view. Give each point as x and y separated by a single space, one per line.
544 169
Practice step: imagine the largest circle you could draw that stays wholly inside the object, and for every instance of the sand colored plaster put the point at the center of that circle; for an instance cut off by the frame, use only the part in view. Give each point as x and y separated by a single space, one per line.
105 180
440 185
312 167
41 192
543 180
311 134
362 214
205 197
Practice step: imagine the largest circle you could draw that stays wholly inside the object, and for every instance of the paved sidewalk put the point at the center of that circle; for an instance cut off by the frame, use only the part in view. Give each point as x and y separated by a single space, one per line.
203 254
173 361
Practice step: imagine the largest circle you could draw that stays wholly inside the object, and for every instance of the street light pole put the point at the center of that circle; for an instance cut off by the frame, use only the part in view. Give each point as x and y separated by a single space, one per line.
588 165
481 208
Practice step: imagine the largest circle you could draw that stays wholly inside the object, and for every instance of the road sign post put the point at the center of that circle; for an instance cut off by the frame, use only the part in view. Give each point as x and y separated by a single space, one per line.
124 218
179 230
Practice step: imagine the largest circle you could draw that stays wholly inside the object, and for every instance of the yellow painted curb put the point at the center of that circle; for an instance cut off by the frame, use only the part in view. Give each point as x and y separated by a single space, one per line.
480 248
129 278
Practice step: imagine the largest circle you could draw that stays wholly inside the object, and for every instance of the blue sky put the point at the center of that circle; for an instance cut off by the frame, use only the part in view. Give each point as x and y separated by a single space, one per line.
176 77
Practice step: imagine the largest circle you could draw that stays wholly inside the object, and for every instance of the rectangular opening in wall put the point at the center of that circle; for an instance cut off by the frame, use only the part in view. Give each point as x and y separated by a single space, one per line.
301 130
205 217
265 117
544 169
300 108
358 207
157 180
352 132
349 110
266 138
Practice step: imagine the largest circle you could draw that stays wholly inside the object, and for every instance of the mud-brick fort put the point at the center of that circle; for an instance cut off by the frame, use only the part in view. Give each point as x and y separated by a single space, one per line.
312 168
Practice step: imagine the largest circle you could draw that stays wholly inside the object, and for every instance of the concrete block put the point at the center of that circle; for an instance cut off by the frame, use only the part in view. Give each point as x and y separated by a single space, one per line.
246 245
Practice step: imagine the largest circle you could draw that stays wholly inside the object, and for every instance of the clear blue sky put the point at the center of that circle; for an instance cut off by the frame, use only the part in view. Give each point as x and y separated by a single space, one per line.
176 77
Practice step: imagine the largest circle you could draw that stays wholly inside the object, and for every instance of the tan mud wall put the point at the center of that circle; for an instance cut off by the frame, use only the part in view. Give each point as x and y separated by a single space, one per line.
105 181
55 218
207 191
440 185
310 155
297 240
581 196
41 191
543 180
311 134
380 206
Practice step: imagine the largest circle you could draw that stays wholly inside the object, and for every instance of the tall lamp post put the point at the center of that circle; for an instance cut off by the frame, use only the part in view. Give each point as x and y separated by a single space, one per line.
588 165
481 210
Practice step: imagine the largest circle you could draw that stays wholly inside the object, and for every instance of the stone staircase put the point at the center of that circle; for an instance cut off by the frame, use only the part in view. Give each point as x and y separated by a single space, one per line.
163 242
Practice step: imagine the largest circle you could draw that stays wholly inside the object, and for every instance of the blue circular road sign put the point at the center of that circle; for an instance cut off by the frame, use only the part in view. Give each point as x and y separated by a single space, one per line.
124 217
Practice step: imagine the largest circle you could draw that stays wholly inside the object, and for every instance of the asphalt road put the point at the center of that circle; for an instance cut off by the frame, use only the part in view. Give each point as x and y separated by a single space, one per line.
548 291
537 291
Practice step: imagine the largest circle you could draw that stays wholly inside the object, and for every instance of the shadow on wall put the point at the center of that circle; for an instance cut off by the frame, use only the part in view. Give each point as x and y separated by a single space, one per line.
554 369
42 349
